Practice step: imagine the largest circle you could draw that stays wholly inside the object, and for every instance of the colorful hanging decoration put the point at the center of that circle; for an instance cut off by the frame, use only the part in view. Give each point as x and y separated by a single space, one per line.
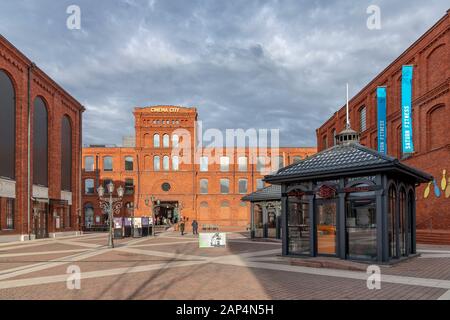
437 190
426 194
444 180
447 191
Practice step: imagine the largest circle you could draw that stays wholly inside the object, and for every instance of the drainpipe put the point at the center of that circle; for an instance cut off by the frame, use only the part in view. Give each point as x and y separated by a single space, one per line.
30 71
80 161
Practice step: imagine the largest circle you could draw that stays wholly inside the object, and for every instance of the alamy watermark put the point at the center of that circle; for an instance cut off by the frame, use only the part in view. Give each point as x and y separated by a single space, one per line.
374 278
73 21
74 279
374 20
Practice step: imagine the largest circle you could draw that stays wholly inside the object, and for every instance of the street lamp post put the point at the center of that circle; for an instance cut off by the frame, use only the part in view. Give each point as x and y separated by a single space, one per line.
111 206
149 203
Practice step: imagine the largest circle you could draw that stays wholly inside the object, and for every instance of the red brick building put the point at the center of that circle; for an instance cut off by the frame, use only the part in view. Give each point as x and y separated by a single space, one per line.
430 56
40 154
166 167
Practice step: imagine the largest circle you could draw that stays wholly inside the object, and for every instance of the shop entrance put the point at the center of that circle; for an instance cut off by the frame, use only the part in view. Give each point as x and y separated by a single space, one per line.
166 213
40 215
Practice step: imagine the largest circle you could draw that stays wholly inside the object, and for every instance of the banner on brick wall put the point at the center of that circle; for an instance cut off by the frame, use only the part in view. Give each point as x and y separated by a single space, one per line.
407 130
381 116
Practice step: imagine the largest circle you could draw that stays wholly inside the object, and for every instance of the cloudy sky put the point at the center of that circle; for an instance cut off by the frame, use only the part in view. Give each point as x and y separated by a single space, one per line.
243 64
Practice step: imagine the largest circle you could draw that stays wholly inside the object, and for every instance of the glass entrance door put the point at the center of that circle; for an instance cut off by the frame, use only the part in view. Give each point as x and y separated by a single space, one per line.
326 226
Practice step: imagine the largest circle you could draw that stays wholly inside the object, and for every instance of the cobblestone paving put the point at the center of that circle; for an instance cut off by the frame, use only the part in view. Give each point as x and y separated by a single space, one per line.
173 267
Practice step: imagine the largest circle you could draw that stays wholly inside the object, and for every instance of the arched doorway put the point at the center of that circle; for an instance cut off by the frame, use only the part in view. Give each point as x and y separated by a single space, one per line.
88 215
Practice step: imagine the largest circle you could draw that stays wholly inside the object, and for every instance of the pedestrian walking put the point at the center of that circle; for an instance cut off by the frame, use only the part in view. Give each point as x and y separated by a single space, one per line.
195 227
182 225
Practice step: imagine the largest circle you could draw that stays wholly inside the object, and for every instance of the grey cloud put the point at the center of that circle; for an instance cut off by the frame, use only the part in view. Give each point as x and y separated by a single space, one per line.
264 64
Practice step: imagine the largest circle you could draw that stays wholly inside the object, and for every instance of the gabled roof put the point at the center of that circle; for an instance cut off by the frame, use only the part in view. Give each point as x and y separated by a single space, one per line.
345 159
272 192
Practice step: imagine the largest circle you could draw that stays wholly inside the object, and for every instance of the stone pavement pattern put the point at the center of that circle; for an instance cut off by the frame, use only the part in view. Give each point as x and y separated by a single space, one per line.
173 267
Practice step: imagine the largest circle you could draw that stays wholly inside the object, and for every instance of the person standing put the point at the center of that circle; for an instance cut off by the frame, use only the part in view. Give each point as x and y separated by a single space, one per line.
182 225
195 227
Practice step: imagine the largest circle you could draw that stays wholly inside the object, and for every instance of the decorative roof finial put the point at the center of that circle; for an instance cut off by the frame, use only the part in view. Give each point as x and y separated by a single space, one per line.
347 135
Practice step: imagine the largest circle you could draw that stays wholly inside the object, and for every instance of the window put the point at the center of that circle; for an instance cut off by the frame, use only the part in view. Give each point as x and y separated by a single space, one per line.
106 182
362 119
224 164
129 186
40 143
156 142
107 164
66 154
7 127
203 164
175 163
156 163
166 163
243 186
224 186
204 186
298 230
166 141
297 159
129 163
175 141
242 163
225 204
260 164
89 164
334 137
89 186
9 213
259 184
325 142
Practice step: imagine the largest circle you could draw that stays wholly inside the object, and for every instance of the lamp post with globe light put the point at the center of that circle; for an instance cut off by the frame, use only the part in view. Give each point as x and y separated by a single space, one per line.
111 206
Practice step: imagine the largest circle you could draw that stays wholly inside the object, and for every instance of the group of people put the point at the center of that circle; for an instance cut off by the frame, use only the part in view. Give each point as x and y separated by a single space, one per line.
194 225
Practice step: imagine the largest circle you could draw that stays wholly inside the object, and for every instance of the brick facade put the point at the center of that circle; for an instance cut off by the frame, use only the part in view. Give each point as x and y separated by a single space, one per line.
30 82
213 207
430 56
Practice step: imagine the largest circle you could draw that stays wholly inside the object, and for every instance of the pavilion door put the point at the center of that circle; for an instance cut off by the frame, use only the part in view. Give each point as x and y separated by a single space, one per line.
326 226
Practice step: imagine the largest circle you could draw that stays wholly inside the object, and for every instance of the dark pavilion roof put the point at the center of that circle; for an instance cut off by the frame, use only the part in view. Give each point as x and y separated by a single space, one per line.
345 159
272 192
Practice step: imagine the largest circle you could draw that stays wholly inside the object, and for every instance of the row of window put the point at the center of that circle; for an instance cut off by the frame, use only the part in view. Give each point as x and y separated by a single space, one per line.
89 186
204 163
40 138
165 141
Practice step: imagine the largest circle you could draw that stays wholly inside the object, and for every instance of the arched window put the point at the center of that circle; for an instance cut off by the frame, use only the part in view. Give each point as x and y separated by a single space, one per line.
166 163
298 222
7 127
66 154
258 221
225 204
40 143
166 141
129 163
89 186
156 163
147 140
175 141
156 141
107 163
204 204
175 163
362 119
392 210
402 221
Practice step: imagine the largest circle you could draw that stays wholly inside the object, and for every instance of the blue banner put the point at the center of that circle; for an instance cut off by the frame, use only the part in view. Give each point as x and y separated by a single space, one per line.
407 130
381 112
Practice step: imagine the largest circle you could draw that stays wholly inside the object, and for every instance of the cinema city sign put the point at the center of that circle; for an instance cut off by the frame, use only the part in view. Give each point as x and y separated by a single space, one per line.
165 109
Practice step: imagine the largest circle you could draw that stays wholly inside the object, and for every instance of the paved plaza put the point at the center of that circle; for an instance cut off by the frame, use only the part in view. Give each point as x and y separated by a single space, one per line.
173 267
